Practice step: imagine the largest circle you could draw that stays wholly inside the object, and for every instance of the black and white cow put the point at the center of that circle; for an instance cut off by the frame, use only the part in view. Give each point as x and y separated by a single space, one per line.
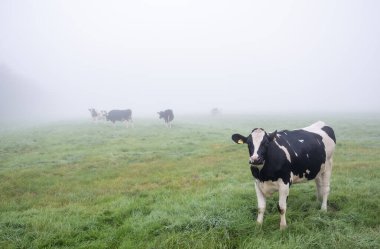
93 113
168 116
279 159
120 115
97 115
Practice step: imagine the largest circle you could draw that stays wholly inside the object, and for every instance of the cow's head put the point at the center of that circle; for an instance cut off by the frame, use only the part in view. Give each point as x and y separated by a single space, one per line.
161 114
257 142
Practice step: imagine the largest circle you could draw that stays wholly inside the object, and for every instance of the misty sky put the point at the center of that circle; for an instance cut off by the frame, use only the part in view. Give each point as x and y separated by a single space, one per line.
65 56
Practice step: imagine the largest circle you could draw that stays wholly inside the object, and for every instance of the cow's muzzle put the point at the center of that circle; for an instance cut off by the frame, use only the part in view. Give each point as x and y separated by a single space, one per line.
256 161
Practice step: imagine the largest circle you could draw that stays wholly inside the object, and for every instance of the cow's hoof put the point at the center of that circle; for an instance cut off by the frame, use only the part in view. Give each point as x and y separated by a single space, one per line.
283 227
259 221
259 226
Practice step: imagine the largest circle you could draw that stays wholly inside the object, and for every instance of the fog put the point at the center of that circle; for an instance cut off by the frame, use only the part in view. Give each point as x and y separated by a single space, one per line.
59 58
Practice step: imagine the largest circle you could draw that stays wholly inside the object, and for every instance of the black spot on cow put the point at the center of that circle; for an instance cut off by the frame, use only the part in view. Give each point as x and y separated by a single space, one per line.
329 131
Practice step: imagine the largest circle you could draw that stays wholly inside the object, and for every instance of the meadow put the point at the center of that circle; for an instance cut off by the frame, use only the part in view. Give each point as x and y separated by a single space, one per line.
79 184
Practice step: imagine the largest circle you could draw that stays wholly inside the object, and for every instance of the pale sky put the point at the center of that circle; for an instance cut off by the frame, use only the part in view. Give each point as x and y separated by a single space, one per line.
62 57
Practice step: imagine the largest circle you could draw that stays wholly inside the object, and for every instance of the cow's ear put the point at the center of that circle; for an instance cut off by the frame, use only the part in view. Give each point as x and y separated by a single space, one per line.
272 135
239 139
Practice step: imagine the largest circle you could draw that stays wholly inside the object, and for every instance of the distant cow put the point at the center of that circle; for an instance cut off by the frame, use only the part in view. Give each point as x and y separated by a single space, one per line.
101 115
120 115
215 111
279 159
167 115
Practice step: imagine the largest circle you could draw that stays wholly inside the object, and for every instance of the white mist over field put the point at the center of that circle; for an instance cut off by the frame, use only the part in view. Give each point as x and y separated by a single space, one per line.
59 58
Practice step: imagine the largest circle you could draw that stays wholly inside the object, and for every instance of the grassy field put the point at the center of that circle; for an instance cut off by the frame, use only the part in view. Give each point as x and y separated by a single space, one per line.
85 185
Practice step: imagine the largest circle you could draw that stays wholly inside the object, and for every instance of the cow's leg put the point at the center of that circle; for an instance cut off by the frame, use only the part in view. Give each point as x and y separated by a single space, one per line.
261 203
325 187
283 195
319 183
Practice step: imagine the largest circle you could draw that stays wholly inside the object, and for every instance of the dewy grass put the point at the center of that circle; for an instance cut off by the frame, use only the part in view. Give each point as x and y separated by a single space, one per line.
86 185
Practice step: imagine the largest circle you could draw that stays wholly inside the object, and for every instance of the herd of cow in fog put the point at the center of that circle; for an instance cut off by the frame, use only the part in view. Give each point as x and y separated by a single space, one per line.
126 116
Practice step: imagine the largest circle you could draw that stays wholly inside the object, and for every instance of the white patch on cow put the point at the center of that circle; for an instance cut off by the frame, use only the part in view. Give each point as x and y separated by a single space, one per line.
296 154
301 140
257 138
259 166
283 148
285 133
316 126
268 187
307 171
307 155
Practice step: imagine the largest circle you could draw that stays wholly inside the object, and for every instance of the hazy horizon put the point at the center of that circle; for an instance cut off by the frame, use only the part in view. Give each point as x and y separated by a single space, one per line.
59 58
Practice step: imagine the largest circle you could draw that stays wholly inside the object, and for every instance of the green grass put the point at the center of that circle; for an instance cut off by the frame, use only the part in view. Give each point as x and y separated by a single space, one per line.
85 185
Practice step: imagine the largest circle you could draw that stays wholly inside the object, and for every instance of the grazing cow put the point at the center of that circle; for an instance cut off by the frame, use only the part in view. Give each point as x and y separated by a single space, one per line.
168 116
279 159
120 115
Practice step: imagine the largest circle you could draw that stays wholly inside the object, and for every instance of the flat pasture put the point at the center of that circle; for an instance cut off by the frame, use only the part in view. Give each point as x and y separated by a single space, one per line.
81 184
